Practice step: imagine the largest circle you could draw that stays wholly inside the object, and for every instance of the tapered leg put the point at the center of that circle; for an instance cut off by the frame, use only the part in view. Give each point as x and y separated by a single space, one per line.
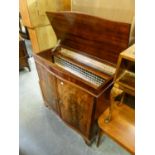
99 137
88 142
28 65
29 68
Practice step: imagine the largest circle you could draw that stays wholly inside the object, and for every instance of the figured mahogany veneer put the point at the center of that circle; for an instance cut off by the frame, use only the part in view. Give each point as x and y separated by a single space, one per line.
92 35
76 100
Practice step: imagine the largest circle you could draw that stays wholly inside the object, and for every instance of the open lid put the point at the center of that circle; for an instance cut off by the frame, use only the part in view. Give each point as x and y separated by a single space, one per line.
90 35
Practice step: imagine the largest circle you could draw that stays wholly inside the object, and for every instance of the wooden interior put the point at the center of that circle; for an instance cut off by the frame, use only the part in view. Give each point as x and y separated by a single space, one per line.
89 61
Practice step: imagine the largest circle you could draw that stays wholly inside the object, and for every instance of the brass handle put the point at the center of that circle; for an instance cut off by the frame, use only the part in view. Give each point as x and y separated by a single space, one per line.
61 83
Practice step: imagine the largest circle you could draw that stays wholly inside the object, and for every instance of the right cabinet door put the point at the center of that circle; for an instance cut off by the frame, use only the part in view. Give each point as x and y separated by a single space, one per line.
76 106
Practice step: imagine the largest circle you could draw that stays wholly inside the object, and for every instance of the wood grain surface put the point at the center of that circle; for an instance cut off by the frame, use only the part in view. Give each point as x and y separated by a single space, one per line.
121 127
95 36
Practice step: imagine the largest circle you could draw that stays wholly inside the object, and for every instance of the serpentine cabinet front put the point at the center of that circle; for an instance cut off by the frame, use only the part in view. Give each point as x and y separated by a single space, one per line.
74 105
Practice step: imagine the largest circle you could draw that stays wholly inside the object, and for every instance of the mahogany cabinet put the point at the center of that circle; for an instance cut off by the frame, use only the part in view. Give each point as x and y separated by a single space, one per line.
73 104
76 75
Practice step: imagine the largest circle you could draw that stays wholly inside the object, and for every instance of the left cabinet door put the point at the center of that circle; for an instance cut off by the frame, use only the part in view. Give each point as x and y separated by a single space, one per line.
48 87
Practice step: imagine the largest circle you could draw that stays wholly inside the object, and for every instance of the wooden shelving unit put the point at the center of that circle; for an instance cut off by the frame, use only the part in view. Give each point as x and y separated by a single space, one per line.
118 121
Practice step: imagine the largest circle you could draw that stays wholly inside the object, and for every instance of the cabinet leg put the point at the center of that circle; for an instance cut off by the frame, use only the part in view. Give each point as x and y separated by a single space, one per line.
46 105
28 65
99 138
88 142
29 68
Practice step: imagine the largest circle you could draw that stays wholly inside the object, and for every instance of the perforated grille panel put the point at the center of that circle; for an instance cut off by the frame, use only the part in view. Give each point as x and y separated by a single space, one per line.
105 68
80 72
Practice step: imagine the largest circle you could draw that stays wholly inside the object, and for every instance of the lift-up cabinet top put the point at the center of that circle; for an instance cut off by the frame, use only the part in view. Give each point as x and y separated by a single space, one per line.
76 75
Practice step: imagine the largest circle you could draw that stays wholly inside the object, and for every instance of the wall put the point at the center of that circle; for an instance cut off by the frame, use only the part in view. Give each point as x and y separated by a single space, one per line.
117 10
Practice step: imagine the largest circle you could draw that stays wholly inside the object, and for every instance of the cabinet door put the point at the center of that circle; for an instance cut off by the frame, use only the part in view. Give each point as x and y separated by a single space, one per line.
76 106
48 87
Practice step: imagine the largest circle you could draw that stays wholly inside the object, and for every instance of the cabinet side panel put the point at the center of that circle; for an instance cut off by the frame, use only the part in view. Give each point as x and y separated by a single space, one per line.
103 103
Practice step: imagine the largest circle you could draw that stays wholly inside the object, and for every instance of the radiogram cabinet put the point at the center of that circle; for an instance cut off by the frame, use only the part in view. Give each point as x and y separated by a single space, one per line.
76 75
75 105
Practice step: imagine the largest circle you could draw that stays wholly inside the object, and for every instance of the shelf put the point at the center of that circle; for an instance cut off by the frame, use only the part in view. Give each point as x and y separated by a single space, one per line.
121 127
127 79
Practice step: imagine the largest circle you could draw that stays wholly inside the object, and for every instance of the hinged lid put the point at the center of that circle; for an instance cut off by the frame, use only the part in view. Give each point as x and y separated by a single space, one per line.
90 35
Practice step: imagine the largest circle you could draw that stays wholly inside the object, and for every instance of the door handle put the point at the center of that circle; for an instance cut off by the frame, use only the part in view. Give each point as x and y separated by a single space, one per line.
61 83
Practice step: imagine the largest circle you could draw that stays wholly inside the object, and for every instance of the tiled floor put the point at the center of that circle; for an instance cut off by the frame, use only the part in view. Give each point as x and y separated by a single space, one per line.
43 133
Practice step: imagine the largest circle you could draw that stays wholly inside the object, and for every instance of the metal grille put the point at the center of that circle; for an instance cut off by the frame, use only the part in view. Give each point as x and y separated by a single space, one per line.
105 68
80 72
